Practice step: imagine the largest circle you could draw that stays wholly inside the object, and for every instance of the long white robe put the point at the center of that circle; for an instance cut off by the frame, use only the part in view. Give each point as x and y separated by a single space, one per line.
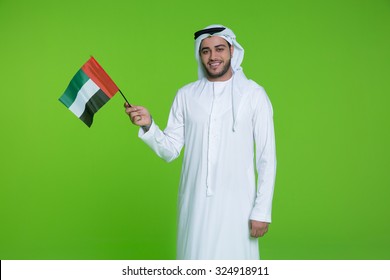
227 134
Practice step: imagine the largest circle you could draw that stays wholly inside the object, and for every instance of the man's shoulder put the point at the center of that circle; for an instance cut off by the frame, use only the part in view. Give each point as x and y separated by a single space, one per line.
247 85
190 89
254 91
191 86
252 88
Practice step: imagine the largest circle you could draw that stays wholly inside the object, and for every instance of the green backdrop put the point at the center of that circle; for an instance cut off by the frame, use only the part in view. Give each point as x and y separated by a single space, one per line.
73 192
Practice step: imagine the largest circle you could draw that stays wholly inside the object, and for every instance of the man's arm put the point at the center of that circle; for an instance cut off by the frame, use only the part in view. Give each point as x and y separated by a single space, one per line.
265 163
166 144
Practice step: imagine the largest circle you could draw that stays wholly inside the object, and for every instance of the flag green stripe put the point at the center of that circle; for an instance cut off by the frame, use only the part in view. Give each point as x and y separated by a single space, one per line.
73 88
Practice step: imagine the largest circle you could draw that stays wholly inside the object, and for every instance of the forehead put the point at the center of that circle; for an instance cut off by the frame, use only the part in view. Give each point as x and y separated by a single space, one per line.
213 41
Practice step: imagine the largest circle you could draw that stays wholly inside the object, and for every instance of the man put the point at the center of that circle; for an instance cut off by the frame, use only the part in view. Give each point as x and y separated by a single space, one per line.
225 123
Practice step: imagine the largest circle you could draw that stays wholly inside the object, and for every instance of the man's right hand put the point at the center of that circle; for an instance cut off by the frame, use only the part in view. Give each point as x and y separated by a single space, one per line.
138 115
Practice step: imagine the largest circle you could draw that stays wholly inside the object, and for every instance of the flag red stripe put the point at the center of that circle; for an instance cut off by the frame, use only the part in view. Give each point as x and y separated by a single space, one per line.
94 71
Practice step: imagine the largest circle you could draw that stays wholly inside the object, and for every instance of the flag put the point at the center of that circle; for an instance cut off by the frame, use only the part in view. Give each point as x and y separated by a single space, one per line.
88 91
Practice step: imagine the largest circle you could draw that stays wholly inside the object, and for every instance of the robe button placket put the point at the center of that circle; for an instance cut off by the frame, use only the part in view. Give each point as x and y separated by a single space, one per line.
211 143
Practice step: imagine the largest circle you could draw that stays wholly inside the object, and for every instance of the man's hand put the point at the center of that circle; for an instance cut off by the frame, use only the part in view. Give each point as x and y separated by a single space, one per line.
138 115
258 229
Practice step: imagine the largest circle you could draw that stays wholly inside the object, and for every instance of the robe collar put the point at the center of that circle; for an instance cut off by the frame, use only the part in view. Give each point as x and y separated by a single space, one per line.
240 85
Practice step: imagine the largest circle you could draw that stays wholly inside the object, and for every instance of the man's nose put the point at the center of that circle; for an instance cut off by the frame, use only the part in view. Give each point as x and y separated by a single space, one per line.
212 55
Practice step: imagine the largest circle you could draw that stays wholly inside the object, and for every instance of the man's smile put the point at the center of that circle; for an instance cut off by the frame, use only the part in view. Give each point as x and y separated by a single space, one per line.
214 64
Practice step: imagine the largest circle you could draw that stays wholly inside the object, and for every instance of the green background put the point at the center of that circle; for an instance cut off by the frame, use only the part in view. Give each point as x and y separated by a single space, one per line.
70 192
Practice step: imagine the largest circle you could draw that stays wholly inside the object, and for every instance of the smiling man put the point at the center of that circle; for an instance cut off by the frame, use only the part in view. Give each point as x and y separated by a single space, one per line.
215 54
225 123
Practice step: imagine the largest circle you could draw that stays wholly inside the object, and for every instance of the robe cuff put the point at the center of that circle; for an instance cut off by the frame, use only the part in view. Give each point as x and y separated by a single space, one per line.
145 135
260 218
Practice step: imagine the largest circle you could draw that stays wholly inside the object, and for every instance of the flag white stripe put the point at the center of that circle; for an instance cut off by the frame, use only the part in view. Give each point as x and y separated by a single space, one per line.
83 96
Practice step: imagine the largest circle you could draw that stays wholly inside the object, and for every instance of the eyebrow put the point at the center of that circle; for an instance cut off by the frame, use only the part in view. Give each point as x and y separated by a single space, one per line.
217 46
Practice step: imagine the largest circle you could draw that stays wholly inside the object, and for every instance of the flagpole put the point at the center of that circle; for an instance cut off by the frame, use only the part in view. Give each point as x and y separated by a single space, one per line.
124 97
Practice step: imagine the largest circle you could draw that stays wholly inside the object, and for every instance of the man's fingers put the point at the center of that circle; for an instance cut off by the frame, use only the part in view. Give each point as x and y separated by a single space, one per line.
138 115
135 114
258 229
257 234
132 110
253 233
135 118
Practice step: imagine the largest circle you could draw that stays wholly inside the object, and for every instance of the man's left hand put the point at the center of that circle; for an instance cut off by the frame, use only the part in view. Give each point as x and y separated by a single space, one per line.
258 229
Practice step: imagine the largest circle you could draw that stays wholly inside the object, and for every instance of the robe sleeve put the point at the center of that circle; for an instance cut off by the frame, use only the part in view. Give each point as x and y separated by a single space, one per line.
167 144
265 156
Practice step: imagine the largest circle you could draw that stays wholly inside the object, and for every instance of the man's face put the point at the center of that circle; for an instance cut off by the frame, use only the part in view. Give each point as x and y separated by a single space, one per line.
215 54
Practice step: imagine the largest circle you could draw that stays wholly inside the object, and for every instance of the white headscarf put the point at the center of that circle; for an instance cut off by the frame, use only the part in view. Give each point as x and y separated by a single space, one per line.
228 35
239 81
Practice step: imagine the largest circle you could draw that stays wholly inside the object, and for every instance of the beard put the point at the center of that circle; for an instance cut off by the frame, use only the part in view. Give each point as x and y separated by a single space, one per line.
224 70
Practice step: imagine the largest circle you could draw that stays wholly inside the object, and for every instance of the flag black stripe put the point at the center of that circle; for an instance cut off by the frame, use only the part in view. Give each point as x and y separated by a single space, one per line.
92 106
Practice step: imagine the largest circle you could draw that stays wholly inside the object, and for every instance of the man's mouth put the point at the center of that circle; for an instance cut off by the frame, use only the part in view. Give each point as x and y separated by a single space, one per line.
215 64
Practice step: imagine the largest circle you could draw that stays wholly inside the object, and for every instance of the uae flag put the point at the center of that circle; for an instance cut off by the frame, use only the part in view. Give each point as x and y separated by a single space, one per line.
88 91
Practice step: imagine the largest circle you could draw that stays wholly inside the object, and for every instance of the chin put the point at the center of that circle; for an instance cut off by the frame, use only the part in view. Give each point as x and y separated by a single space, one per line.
216 75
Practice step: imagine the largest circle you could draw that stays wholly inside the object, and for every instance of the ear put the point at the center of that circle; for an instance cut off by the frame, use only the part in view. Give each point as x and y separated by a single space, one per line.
231 50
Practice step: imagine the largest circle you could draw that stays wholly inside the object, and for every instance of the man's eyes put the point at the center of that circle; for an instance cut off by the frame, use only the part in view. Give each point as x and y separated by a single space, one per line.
217 50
